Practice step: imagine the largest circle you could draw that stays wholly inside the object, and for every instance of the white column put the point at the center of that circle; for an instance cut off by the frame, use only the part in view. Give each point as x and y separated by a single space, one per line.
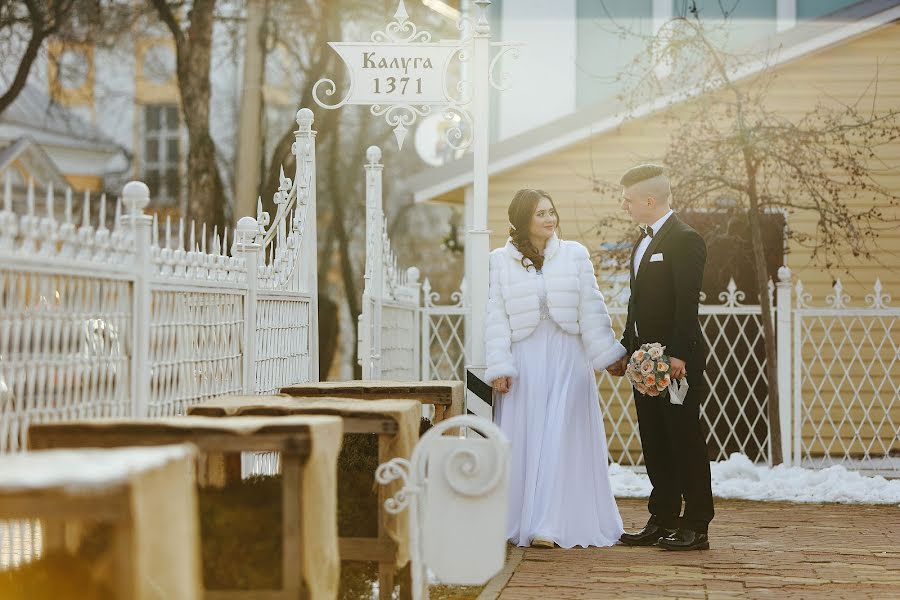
309 251
375 246
478 237
786 11
247 248
136 197
469 264
785 353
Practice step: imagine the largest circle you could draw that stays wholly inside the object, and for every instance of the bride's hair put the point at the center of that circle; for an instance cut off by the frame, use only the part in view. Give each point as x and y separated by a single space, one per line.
521 212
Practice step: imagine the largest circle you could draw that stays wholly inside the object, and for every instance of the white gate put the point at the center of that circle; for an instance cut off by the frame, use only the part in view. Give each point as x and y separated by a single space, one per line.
403 336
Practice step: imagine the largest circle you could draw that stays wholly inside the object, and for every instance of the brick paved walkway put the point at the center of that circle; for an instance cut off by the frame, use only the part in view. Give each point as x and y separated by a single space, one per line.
759 550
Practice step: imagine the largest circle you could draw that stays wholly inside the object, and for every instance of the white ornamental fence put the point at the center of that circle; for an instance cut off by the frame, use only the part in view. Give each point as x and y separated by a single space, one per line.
148 318
839 404
403 334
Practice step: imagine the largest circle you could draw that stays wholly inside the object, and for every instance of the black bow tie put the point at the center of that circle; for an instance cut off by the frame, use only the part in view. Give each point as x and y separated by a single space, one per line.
648 231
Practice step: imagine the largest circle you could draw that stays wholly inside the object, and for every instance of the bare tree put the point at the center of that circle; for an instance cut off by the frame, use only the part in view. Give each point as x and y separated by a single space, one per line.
728 141
193 36
27 25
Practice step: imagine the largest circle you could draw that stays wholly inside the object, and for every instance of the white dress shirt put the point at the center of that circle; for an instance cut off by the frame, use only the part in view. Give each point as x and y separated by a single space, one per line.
645 241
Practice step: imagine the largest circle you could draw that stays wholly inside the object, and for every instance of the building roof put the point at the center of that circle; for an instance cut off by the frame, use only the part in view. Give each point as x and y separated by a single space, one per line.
34 113
34 159
436 184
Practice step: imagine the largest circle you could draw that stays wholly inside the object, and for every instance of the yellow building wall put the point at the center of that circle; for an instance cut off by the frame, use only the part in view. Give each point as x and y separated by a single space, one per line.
844 73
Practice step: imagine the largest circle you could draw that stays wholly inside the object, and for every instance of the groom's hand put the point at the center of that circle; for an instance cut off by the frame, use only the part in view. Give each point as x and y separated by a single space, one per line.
678 368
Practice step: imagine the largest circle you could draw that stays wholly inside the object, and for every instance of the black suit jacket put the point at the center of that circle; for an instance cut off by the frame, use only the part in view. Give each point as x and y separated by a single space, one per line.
665 295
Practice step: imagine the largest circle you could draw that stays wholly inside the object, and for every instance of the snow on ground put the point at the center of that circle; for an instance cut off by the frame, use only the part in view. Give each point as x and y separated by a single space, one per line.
739 478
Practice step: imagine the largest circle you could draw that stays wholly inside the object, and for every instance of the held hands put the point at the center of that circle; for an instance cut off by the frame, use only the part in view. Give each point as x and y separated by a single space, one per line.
502 384
617 369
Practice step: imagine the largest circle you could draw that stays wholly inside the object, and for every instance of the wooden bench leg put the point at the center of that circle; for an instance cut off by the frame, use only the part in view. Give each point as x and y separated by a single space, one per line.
405 580
385 580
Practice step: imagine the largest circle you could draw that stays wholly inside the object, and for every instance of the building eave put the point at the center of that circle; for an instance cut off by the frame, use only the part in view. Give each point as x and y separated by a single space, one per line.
588 122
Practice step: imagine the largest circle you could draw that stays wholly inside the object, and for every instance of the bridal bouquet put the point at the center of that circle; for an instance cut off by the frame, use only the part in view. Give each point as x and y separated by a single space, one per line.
648 369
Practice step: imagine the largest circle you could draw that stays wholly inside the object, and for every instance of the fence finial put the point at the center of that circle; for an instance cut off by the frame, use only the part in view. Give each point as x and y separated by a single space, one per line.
373 154
784 274
305 119
246 230
136 196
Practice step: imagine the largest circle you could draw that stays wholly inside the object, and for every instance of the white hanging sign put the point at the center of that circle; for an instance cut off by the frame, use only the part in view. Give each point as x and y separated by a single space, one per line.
401 74
395 73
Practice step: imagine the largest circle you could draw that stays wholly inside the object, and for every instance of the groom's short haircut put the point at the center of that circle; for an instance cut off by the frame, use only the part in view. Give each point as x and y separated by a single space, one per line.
641 173
648 181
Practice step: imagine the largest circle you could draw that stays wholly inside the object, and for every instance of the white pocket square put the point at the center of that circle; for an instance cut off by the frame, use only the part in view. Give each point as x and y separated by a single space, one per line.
656 257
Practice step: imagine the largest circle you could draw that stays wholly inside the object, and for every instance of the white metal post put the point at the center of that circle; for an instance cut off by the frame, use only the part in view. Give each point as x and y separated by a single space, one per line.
136 197
310 246
375 246
784 355
247 247
478 237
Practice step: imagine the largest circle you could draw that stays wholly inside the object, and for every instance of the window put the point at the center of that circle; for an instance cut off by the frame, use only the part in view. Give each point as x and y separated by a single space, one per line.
162 153
813 9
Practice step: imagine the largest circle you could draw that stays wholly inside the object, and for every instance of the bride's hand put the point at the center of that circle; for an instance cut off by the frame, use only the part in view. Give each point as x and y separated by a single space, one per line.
502 384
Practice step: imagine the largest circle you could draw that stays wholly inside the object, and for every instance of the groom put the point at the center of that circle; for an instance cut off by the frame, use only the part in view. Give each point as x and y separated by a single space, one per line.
666 274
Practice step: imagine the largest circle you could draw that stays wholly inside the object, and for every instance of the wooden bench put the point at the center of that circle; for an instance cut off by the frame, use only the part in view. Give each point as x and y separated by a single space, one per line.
447 397
395 422
308 446
107 522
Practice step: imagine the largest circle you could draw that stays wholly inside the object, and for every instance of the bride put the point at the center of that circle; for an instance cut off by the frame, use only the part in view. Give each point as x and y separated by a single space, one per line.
547 331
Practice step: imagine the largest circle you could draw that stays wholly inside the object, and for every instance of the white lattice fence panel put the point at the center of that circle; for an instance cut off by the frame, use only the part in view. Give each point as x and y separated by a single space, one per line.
847 392
282 343
734 414
445 344
65 346
399 343
735 410
196 348
617 409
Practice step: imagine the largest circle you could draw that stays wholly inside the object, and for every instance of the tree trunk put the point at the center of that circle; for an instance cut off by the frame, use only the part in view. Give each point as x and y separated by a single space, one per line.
768 322
193 48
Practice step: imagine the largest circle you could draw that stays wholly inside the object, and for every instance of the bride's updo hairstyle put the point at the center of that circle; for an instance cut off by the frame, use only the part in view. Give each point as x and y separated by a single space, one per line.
521 212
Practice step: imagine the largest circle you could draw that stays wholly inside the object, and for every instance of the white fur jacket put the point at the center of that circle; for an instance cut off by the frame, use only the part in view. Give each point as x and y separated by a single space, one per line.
574 300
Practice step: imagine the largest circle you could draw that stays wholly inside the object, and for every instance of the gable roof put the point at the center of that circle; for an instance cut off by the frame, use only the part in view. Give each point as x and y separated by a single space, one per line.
35 160
35 114
799 41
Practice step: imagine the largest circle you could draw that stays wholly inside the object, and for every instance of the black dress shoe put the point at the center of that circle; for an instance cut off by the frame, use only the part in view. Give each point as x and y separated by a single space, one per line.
685 539
648 536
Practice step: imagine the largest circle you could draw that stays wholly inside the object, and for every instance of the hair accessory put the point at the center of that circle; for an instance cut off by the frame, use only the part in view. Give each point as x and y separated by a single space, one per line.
513 227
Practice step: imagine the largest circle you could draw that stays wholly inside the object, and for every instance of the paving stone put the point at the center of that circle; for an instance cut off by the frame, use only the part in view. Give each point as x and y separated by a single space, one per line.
760 550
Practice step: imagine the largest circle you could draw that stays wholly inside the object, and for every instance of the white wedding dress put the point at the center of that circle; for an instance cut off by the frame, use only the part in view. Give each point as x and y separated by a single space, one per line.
559 479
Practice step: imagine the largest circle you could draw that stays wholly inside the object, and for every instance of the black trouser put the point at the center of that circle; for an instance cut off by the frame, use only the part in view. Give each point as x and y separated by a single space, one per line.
675 455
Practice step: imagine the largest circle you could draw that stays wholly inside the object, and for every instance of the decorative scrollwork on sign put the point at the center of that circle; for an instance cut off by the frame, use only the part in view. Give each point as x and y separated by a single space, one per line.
460 135
503 82
838 299
400 116
463 86
732 297
878 299
401 30
330 90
